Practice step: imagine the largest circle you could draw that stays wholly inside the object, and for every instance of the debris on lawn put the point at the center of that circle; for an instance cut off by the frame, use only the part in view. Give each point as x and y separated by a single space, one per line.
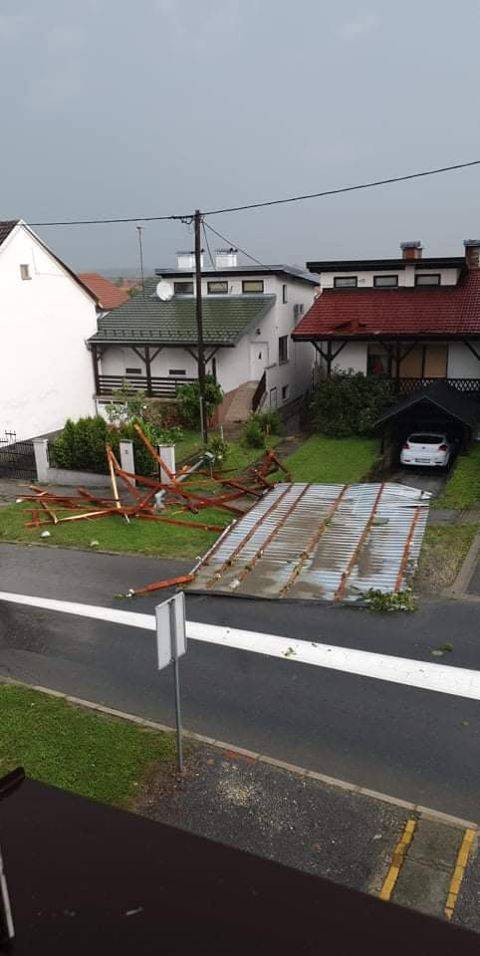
229 495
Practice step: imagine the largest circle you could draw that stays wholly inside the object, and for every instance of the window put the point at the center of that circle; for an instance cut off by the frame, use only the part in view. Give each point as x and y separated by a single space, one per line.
133 371
345 282
427 278
283 349
217 288
284 293
183 288
25 272
252 285
177 371
385 282
284 393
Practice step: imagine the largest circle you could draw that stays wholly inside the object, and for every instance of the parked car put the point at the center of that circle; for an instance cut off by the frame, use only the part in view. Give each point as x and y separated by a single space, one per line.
429 449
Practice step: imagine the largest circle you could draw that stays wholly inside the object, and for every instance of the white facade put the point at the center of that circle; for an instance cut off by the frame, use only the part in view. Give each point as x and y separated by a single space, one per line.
257 351
405 276
45 319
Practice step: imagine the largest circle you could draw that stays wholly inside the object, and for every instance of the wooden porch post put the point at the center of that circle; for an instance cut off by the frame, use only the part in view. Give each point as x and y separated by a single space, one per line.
329 358
96 373
148 370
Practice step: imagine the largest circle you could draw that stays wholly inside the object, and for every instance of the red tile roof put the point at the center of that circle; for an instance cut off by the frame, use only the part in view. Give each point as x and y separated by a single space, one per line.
445 311
108 295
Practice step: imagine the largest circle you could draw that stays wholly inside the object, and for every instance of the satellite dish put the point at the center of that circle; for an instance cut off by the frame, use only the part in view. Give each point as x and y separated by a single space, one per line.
164 290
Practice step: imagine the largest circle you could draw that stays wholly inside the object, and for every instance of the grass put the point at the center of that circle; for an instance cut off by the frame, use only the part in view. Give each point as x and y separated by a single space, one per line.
443 552
463 488
322 459
114 534
189 444
74 749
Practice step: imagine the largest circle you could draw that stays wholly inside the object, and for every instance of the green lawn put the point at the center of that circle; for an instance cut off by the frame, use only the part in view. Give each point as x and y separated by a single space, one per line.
463 488
114 534
322 459
190 444
444 550
75 749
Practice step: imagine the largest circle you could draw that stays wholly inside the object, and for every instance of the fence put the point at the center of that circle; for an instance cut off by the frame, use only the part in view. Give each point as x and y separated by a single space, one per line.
154 386
17 458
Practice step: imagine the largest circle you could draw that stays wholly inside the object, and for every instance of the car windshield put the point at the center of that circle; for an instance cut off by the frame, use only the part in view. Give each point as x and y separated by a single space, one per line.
426 439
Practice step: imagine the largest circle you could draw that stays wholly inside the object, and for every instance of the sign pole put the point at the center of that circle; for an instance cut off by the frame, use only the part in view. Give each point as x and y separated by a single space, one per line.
176 679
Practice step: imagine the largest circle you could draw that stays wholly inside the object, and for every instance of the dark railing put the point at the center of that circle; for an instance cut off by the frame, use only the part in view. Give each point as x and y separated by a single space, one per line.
468 386
158 387
259 392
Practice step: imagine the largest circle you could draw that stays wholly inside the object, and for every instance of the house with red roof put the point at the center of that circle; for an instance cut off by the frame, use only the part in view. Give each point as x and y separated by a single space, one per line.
109 295
415 319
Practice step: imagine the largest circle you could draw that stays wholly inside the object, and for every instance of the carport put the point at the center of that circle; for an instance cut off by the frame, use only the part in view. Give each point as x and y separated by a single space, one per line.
436 408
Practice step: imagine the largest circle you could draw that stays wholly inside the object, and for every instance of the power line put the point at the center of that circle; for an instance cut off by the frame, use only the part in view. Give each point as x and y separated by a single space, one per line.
234 244
187 217
344 189
207 244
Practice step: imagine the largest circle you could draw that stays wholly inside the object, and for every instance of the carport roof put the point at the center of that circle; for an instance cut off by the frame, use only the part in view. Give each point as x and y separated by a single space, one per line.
443 397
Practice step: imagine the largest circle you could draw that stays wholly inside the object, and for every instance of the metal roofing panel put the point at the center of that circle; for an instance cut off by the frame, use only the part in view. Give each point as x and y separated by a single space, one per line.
331 542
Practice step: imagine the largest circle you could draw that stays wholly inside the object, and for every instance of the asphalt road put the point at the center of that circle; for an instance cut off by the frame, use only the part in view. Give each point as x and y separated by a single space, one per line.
416 745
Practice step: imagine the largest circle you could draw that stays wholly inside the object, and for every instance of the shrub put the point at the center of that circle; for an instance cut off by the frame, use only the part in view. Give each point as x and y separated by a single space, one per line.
127 403
81 445
386 603
253 433
349 403
220 450
259 426
188 397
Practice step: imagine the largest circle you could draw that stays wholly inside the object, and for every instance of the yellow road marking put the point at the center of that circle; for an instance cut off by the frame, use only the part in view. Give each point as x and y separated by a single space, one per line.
459 871
397 859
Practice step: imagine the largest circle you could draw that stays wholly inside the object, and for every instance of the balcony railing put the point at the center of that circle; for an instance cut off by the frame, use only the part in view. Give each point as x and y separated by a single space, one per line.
157 387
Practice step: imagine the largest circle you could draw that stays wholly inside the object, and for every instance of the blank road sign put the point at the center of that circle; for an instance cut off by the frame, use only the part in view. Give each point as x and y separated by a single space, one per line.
171 634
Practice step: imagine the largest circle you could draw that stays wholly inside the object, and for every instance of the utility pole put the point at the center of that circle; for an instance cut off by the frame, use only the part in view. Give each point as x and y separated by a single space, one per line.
140 246
198 313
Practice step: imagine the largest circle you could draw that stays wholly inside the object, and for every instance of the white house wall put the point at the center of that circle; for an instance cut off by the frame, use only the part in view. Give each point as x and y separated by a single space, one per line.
406 276
353 356
44 322
461 362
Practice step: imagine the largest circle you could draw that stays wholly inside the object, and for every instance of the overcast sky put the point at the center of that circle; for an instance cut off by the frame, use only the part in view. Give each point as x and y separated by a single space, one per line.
120 108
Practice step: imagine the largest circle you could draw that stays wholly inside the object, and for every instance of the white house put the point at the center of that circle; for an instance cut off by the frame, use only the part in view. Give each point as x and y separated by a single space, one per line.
46 315
412 319
249 314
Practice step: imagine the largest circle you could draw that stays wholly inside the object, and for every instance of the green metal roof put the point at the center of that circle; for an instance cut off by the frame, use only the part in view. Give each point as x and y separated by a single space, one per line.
145 319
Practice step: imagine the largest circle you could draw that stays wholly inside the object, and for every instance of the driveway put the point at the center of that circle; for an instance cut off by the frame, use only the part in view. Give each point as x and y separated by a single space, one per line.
424 480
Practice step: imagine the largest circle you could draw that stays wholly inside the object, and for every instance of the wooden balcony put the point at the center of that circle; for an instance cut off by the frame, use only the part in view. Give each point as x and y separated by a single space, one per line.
154 386
467 386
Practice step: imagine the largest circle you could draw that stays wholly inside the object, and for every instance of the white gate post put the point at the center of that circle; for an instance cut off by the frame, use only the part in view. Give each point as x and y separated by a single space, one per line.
127 457
167 454
40 448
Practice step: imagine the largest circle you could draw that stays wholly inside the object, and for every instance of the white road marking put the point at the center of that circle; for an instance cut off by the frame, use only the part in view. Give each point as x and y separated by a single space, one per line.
458 681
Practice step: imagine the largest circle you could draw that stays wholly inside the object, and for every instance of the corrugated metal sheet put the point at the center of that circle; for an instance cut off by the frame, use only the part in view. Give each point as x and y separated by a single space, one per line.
330 542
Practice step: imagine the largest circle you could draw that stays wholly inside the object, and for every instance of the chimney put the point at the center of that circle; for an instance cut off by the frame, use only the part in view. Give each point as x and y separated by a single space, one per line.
411 250
472 253
186 261
226 258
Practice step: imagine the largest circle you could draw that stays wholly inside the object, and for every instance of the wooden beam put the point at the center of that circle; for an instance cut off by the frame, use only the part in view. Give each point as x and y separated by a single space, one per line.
148 370
342 346
96 369
472 349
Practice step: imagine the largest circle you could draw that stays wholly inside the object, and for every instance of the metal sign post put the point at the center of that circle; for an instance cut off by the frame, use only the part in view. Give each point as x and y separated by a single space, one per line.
171 645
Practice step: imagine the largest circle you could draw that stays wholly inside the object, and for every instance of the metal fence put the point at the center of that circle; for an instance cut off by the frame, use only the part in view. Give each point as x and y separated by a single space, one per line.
17 458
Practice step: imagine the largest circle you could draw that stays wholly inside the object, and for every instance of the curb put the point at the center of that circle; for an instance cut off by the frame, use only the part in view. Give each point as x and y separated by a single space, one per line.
426 813
464 576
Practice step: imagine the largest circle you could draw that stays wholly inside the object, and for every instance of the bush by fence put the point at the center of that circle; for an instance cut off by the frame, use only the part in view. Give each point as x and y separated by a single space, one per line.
349 403
81 445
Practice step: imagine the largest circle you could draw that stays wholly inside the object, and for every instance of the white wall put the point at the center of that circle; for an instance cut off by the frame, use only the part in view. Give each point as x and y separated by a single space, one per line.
461 362
353 356
406 276
44 322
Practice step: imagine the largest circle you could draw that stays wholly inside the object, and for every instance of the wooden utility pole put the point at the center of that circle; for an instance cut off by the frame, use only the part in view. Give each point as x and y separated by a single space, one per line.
198 313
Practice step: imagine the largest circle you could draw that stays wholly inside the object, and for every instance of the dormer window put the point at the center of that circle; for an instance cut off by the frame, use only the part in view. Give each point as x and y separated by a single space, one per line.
427 278
217 287
385 282
252 286
345 282
25 272
183 288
